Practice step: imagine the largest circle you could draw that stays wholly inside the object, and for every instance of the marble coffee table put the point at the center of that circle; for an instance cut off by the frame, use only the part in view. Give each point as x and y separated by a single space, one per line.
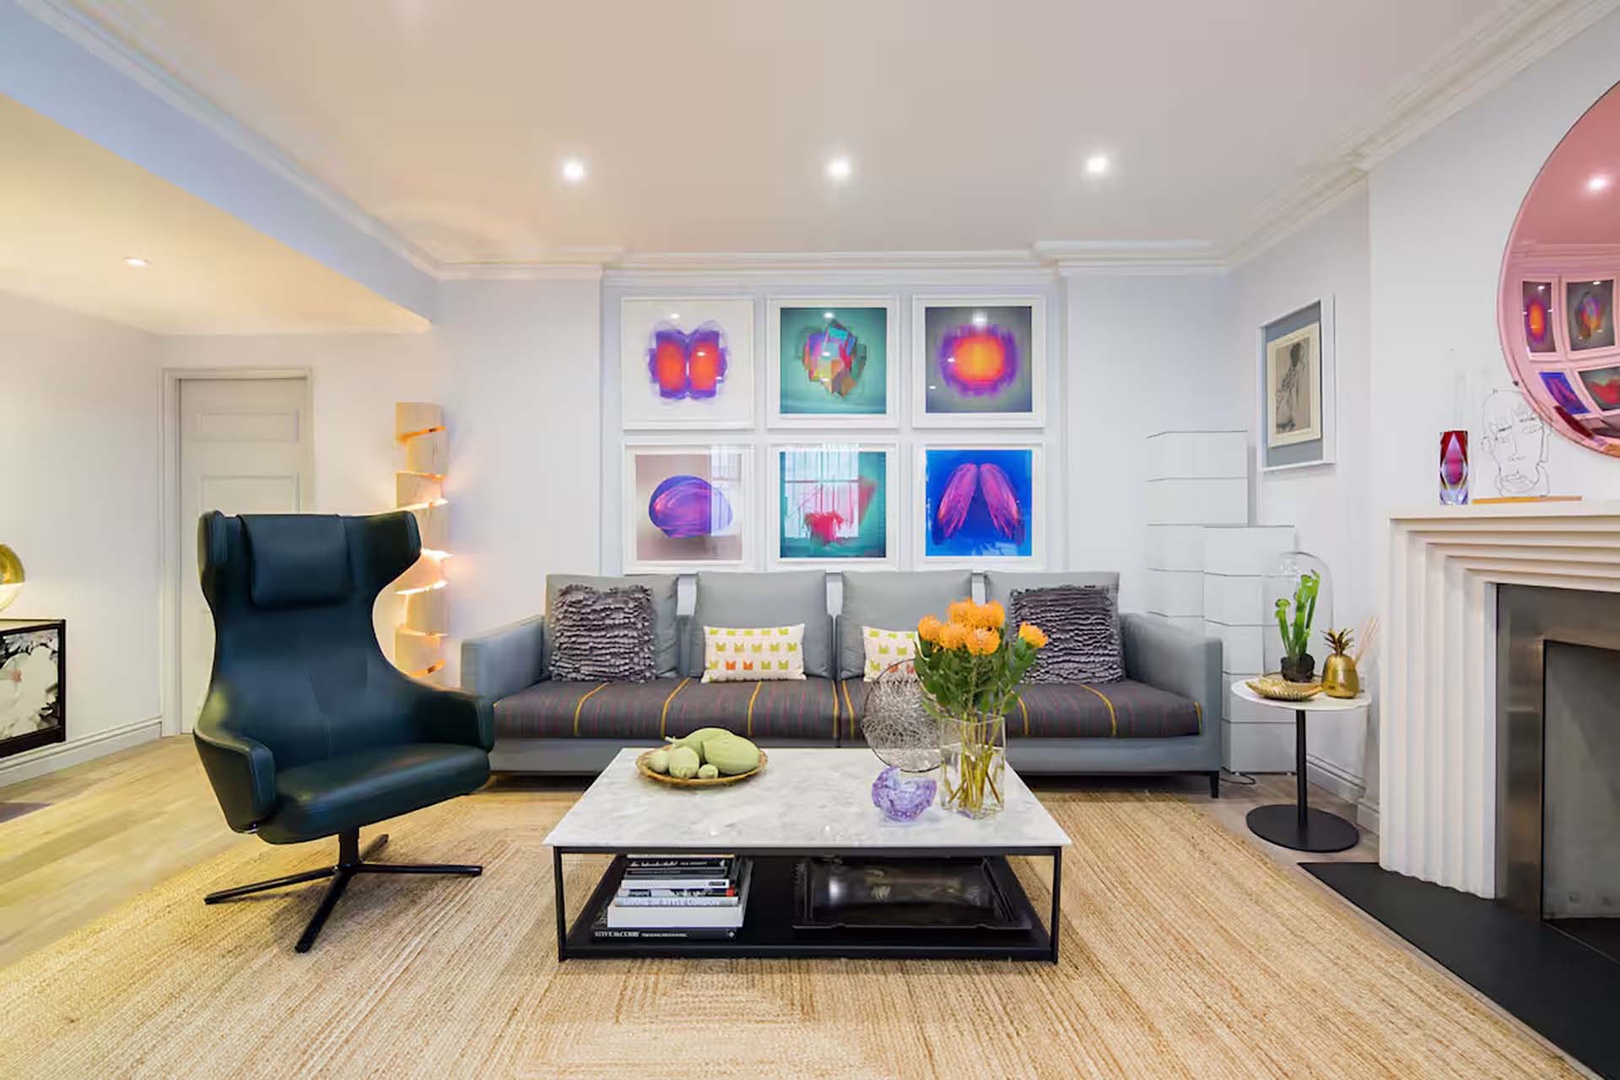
806 804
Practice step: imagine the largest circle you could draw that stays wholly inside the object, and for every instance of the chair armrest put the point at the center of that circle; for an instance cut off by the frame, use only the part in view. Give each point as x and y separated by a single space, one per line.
451 716
1166 657
505 661
241 771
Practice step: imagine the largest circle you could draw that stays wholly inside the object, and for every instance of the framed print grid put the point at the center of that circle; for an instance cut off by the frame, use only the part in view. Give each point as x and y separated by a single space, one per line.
688 506
834 504
832 362
978 361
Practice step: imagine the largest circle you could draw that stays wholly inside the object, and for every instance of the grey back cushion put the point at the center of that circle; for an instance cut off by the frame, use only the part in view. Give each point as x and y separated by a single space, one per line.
999 585
602 634
891 600
1082 631
666 643
782 598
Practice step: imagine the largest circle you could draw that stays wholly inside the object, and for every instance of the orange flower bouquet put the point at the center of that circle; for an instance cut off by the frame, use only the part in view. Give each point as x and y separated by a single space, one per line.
970 668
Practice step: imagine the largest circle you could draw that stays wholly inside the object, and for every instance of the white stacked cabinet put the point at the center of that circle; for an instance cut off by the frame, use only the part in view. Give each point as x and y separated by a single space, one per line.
1235 559
1194 479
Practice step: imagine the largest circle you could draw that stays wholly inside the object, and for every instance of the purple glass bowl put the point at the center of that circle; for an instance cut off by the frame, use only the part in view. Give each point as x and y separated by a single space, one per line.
901 798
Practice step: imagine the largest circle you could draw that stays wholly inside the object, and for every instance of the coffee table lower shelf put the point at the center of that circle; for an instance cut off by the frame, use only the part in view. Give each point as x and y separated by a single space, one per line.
768 929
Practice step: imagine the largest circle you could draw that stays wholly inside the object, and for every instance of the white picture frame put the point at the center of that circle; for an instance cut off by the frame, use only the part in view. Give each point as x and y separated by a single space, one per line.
1311 451
922 512
893 360
894 497
643 407
923 369
731 468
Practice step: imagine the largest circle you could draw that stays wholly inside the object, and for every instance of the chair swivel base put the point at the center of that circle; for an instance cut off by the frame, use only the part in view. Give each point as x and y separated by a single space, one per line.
351 861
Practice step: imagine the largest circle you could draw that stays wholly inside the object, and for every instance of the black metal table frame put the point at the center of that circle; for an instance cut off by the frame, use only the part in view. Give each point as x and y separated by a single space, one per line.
1044 941
1300 827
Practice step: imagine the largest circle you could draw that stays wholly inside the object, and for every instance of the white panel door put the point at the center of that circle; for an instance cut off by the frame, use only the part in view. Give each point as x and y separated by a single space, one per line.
243 450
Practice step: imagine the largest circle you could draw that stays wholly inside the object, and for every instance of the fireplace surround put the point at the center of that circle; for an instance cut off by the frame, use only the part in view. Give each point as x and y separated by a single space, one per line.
1558 758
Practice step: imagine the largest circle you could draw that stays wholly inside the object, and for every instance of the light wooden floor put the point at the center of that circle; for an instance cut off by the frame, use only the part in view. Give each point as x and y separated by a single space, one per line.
116 826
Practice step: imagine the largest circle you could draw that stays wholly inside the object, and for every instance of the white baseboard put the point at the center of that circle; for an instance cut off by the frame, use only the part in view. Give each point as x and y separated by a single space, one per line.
48 759
1324 774
1367 816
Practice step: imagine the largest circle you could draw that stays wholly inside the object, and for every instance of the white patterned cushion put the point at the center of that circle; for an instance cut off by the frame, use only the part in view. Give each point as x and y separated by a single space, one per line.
885 648
753 654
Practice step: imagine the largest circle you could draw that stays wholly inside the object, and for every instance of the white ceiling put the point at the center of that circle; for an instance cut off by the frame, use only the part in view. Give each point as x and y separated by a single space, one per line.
71 212
706 124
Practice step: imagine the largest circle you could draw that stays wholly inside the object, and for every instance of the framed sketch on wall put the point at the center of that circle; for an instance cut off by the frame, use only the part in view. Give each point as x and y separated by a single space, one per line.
1296 384
33 684
686 363
978 361
980 505
687 506
833 362
835 505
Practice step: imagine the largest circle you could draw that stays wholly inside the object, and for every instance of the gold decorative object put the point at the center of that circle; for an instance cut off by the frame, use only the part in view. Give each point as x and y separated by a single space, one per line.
1277 688
675 781
1339 677
11 576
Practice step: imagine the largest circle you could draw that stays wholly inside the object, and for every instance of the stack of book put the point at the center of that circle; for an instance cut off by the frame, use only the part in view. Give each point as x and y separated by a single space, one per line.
666 896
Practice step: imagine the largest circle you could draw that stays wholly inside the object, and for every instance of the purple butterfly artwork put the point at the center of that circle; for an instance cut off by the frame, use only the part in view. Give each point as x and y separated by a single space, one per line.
979 502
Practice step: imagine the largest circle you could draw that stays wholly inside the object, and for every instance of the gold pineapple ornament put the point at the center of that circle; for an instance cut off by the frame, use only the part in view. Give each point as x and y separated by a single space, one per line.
1339 678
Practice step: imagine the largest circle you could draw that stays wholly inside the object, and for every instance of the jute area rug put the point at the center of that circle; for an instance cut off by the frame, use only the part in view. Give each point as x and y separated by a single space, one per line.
1185 953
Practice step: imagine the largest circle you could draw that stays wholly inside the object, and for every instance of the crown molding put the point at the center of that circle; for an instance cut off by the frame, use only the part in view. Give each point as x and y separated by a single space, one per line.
572 270
1073 258
1488 54
125 45
771 262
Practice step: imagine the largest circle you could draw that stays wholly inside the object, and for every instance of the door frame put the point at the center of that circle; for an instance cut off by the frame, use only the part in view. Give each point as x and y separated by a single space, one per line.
171 565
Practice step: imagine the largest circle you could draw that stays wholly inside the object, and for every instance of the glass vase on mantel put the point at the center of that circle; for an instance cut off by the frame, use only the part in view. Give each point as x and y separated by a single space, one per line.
973 764
1297 594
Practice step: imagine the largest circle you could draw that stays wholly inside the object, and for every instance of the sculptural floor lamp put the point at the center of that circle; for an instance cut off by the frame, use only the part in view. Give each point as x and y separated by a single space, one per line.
307 730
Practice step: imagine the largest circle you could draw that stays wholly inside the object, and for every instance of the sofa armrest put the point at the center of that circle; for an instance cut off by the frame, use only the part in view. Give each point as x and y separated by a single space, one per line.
1166 657
504 661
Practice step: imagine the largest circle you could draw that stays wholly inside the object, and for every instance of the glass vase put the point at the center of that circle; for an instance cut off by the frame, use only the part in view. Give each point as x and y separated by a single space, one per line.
1281 586
973 764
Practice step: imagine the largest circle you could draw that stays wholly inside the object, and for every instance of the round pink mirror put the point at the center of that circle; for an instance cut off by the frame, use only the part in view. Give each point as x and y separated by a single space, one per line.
1556 308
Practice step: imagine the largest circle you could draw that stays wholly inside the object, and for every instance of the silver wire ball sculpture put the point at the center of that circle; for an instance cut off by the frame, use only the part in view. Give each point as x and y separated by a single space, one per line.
897 725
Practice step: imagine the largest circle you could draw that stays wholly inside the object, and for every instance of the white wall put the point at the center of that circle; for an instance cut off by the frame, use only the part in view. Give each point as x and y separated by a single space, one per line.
1145 353
80 406
1328 505
526 479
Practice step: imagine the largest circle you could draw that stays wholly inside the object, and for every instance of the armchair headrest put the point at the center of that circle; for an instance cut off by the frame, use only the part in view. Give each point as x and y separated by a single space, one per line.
297 560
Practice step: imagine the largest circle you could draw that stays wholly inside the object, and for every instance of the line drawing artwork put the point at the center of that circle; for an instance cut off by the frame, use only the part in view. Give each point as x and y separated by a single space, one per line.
1517 441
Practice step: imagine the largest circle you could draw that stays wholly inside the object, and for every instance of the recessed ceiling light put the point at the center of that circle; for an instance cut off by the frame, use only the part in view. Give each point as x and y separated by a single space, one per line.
840 168
1599 182
573 170
136 262
1098 164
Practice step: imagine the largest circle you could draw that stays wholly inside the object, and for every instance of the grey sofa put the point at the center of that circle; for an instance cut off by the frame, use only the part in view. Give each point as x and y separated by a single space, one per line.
1164 717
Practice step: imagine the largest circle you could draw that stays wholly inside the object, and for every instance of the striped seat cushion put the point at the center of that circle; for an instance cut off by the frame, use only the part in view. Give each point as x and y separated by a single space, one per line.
802 711
1116 710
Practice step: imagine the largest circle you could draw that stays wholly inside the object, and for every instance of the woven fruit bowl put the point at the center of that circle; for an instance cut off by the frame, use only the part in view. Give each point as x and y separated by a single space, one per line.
674 781
1276 688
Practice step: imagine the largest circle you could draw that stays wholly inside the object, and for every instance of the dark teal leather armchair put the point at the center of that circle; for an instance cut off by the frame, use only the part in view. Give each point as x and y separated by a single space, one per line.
307 730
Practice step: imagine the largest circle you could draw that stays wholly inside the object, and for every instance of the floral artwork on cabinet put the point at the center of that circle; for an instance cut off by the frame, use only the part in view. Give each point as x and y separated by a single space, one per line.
32 695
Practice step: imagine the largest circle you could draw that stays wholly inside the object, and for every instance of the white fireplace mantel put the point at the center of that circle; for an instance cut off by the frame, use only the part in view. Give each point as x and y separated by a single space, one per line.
1437 687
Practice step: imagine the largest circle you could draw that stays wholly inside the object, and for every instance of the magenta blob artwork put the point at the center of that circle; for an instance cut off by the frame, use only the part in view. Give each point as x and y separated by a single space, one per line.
687 364
683 507
978 359
1001 501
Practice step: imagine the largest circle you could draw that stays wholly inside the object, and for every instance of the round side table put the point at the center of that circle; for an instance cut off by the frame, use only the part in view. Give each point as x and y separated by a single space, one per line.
1299 827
